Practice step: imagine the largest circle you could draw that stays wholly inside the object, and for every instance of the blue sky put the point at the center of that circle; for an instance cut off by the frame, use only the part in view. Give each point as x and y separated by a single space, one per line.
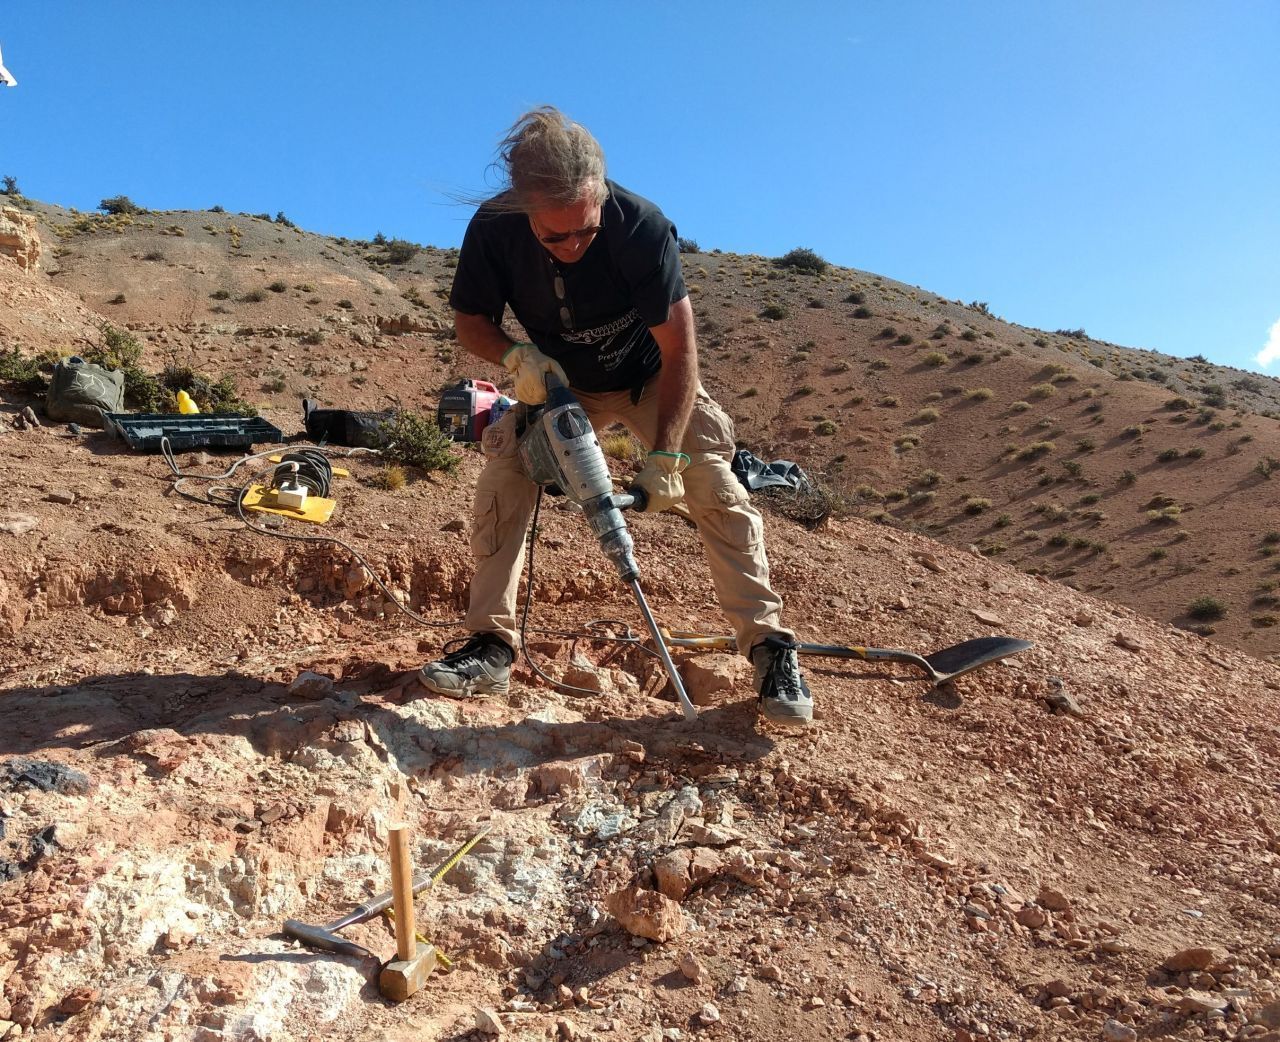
1111 166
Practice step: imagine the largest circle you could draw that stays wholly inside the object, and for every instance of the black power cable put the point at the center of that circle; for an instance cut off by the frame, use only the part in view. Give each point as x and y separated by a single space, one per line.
306 467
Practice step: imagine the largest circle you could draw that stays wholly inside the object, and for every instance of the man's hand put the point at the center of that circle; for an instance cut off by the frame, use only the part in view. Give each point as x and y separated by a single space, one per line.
661 481
530 367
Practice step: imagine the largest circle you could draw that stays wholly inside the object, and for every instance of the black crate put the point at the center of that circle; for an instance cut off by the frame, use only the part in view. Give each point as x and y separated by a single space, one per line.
144 431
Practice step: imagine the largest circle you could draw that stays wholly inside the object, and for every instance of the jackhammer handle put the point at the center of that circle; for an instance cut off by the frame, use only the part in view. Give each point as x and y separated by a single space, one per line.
635 498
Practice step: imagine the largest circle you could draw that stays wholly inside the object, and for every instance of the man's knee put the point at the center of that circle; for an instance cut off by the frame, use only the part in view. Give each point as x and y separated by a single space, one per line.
720 506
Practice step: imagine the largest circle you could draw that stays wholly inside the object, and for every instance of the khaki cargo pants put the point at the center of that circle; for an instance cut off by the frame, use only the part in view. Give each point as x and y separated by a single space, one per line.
729 525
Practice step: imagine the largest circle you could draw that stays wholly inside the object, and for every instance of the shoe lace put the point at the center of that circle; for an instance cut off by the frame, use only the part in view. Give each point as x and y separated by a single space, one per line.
473 652
784 674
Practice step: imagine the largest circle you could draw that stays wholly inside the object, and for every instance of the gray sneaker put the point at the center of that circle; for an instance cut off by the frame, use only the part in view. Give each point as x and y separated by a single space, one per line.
784 696
481 667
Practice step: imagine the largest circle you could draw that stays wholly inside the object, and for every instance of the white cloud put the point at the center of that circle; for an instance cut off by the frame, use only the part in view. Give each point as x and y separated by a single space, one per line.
1270 353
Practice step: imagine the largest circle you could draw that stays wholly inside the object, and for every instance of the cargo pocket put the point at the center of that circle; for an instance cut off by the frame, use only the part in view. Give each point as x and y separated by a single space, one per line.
710 429
730 518
498 440
484 525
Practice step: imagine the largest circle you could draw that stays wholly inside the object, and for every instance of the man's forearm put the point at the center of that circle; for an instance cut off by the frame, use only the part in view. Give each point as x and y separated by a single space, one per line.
678 377
481 337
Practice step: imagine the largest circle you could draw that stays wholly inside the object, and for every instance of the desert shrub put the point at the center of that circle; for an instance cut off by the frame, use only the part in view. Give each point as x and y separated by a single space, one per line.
345 304
312 336
934 358
1266 466
1271 538
25 373
401 251
621 445
391 478
929 478
1073 467
750 392
412 440
212 396
1168 455
1178 404
826 427
814 302
1019 406
862 312
119 298
282 219
1135 430
888 401
276 384
925 416
854 297
1074 334
979 394
254 296
1003 521
11 185
775 312
976 505
687 245
1035 450
1206 608
1042 391
803 260
120 204
221 294
1165 515
278 286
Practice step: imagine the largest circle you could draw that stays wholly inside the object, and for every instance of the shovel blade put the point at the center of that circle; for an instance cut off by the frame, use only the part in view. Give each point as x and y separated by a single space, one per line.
970 654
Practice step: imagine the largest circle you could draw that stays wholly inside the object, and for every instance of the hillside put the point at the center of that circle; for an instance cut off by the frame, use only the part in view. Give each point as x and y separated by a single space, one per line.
1127 474
1081 841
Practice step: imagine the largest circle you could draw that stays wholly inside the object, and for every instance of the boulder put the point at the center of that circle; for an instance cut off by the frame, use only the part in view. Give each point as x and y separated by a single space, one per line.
19 239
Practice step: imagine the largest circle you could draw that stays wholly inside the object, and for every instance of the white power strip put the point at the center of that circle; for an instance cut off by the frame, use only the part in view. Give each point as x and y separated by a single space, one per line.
293 496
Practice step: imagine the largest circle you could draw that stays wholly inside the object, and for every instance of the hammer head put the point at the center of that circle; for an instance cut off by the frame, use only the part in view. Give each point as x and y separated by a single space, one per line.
401 978
319 937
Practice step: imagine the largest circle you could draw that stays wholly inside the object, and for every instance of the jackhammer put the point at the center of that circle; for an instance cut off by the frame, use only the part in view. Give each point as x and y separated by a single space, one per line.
559 450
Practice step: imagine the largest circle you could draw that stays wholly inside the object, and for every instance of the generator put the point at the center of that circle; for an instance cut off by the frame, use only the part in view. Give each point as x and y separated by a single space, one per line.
466 409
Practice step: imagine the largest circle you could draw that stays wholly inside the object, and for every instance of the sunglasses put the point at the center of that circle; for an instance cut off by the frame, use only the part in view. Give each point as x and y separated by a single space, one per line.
559 237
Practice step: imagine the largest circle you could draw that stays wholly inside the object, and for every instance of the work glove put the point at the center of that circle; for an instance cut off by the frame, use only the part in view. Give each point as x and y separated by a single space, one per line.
660 480
530 367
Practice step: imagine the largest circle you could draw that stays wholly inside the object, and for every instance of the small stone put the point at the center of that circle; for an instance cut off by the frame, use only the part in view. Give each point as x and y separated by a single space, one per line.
1201 1002
1054 900
1127 642
647 914
1194 959
814 1002
456 525
928 561
709 1015
311 686
17 524
566 1030
990 618
61 495
1114 1031
488 1023
691 968
1032 917
1082 618
78 1000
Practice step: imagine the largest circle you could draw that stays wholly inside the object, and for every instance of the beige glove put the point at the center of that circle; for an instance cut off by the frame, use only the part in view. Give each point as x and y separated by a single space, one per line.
661 481
530 366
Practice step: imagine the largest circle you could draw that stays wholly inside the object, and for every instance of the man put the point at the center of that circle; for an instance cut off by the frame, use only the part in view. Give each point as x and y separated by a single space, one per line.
592 273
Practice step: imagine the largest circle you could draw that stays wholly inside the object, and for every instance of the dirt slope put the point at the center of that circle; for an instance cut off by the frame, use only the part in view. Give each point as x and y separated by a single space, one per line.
987 860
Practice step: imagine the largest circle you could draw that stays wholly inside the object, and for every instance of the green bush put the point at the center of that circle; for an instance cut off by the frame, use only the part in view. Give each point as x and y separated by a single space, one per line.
401 251
687 245
254 296
278 286
861 312
120 204
221 294
1206 609
775 312
11 185
803 260
417 442
25 373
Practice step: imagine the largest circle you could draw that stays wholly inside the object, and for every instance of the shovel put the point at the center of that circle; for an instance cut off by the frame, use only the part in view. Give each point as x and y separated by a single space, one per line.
939 667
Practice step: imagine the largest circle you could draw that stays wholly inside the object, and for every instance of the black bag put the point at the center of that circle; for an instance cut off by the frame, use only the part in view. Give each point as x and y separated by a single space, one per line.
81 392
344 426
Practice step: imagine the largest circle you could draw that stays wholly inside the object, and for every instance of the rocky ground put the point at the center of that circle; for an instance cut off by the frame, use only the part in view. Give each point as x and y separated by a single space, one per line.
206 730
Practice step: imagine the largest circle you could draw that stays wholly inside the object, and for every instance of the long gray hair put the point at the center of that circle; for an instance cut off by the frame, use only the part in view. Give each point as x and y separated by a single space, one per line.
549 160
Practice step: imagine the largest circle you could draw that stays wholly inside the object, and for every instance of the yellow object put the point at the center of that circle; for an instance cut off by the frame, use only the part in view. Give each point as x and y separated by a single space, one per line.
185 405
338 472
315 510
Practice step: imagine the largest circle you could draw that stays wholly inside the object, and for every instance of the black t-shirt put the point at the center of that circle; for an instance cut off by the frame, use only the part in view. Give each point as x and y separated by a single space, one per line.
625 282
